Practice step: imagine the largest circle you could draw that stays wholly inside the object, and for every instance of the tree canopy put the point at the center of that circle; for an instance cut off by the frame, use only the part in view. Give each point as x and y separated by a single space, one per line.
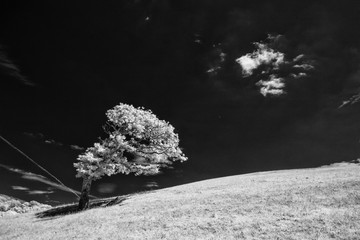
138 143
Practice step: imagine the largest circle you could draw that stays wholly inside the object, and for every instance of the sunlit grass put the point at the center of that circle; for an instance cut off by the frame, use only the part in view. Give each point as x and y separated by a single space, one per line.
321 203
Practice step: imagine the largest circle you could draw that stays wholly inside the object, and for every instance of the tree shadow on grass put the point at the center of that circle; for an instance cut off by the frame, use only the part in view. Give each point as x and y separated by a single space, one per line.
73 208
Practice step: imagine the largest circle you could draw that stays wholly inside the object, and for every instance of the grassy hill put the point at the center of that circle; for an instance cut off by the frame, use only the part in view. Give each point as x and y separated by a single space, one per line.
318 203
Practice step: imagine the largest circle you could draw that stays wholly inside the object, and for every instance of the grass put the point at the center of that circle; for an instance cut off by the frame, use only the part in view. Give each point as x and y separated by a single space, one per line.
318 203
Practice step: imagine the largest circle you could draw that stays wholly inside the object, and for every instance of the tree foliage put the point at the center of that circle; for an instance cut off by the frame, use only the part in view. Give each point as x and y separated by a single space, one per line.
138 143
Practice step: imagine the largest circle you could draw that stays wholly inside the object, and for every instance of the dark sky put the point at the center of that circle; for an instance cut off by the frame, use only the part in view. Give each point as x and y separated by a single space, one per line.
64 63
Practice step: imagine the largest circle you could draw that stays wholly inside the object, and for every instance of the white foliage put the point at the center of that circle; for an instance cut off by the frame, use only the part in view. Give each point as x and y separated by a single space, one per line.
133 131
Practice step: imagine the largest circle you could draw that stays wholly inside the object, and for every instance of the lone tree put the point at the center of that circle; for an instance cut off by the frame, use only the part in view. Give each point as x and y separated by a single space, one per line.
138 143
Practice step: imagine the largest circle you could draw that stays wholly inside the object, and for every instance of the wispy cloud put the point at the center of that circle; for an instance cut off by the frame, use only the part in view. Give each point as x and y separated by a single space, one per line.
151 185
298 75
20 188
77 147
31 192
39 178
51 141
304 66
34 135
352 92
218 60
10 69
39 192
298 58
352 100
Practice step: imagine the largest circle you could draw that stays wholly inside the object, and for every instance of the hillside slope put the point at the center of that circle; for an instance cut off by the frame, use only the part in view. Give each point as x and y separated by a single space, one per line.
318 203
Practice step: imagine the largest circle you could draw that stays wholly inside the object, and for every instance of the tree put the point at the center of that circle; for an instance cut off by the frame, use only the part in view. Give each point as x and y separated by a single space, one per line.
138 143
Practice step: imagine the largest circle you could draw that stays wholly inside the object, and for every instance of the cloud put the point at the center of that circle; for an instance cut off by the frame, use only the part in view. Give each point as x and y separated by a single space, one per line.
50 141
197 38
39 178
298 58
76 147
219 57
352 100
53 142
320 49
31 192
273 67
263 55
34 135
20 188
213 70
298 75
39 192
273 86
151 185
351 92
8 68
304 66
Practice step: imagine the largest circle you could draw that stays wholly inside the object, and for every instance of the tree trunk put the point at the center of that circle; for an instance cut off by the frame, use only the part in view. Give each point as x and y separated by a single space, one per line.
85 191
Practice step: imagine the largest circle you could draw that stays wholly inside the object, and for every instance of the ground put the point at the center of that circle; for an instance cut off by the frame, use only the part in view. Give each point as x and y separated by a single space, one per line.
317 203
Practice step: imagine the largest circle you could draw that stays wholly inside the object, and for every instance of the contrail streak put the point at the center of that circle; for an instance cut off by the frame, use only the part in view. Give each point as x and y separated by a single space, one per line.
31 160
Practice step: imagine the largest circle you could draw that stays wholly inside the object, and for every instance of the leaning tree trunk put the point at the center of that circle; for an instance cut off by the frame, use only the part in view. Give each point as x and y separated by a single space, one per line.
85 191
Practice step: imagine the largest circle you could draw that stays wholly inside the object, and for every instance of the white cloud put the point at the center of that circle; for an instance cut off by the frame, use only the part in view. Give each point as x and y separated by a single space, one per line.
222 56
31 192
272 86
20 188
263 55
248 64
276 66
299 75
299 57
213 69
39 192
304 66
